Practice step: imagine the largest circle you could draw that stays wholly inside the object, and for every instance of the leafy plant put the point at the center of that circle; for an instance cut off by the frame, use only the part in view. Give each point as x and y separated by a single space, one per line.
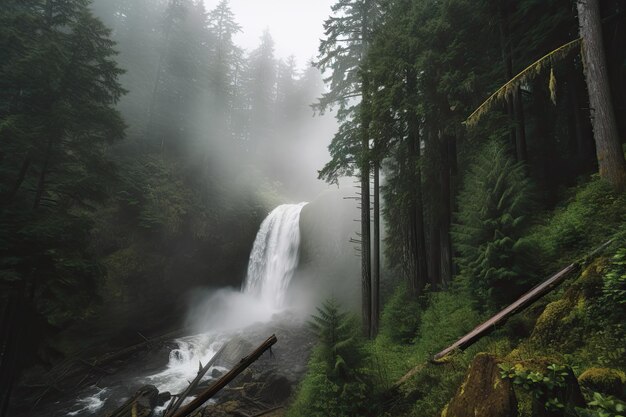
614 289
604 406
540 385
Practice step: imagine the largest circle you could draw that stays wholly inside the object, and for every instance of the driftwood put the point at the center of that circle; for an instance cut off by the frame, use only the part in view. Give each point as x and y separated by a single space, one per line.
175 404
521 303
225 379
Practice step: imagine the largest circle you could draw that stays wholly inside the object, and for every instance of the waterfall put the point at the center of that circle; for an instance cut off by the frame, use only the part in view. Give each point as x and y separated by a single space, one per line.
274 255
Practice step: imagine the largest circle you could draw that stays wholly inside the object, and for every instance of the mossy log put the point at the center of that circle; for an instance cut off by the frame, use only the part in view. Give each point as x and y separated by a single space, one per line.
520 304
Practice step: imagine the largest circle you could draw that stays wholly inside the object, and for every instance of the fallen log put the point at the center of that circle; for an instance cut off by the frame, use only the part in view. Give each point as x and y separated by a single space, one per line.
225 379
524 301
175 404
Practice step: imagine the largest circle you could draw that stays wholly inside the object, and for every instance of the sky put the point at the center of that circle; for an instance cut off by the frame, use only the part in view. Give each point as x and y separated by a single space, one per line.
295 25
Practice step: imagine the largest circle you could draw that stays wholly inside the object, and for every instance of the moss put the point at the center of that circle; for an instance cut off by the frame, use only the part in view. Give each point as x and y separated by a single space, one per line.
551 319
483 392
604 380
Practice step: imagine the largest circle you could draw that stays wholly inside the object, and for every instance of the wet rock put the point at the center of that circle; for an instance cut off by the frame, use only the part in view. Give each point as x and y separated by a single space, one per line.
483 393
234 350
139 405
163 397
275 390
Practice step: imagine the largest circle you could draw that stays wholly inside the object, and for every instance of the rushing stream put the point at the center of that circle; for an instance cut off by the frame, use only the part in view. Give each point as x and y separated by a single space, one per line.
273 260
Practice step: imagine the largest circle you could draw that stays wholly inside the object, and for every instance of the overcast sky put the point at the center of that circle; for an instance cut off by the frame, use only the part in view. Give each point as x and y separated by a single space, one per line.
295 25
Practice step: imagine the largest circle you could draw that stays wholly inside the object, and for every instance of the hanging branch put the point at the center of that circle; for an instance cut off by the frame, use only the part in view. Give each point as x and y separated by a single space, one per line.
529 72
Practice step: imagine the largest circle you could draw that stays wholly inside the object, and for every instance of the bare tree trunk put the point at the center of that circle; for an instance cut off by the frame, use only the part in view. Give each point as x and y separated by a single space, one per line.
520 127
41 183
609 151
420 275
514 106
366 264
376 254
446 213
18 182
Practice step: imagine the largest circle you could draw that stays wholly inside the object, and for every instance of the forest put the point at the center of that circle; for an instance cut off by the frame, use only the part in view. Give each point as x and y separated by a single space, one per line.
463 163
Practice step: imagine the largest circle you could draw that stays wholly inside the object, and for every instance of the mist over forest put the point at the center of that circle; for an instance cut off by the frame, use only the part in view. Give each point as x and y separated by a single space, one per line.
423 215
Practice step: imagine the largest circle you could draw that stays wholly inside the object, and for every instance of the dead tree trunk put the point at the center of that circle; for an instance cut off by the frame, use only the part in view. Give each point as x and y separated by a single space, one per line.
175 404
227 378
521 303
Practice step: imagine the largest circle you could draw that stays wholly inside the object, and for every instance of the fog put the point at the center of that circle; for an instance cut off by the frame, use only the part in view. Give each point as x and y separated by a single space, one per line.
221 94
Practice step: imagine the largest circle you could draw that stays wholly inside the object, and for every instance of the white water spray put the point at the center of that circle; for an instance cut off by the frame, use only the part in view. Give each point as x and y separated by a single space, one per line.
273 260
274 256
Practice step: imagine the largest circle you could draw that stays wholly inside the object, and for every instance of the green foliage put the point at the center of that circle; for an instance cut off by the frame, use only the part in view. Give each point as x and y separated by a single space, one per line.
493 210
337 383
400 317
614 288
587 218
540 385
605 406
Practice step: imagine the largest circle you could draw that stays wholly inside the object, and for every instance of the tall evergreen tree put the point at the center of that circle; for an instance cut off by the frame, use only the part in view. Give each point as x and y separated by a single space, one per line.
348 34
56 131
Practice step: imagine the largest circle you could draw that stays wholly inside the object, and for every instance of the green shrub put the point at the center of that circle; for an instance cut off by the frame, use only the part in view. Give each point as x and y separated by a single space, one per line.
588 218
614 289
494 205
401 316
337 383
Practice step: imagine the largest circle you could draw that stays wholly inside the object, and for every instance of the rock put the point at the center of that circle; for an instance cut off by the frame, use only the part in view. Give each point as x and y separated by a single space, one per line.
483 393
604 380
216 373
163 397
275 390
139 405
234 350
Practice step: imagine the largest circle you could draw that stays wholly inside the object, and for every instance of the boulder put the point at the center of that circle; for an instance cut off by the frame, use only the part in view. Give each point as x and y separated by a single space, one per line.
604 380
275 390
483 392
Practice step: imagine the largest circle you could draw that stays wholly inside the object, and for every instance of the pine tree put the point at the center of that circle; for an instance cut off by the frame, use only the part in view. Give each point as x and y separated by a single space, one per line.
348 35
494 206
58 127
337 383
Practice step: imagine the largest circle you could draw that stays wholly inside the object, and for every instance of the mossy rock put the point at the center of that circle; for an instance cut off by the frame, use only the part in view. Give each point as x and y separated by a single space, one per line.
604 380
589 283
554 326
483 393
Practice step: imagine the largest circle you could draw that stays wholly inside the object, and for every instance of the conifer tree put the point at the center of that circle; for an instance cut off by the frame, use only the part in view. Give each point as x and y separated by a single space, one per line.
494 206
348 34
57 125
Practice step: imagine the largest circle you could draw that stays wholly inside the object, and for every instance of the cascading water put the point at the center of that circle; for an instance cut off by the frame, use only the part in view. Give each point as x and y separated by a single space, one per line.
274 256
272 262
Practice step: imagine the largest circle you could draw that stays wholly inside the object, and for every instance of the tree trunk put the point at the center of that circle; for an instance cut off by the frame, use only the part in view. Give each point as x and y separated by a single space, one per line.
366 265
225 379
18 182
445 213
376 255
41 183
609 151
419 276
520 127
514 106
